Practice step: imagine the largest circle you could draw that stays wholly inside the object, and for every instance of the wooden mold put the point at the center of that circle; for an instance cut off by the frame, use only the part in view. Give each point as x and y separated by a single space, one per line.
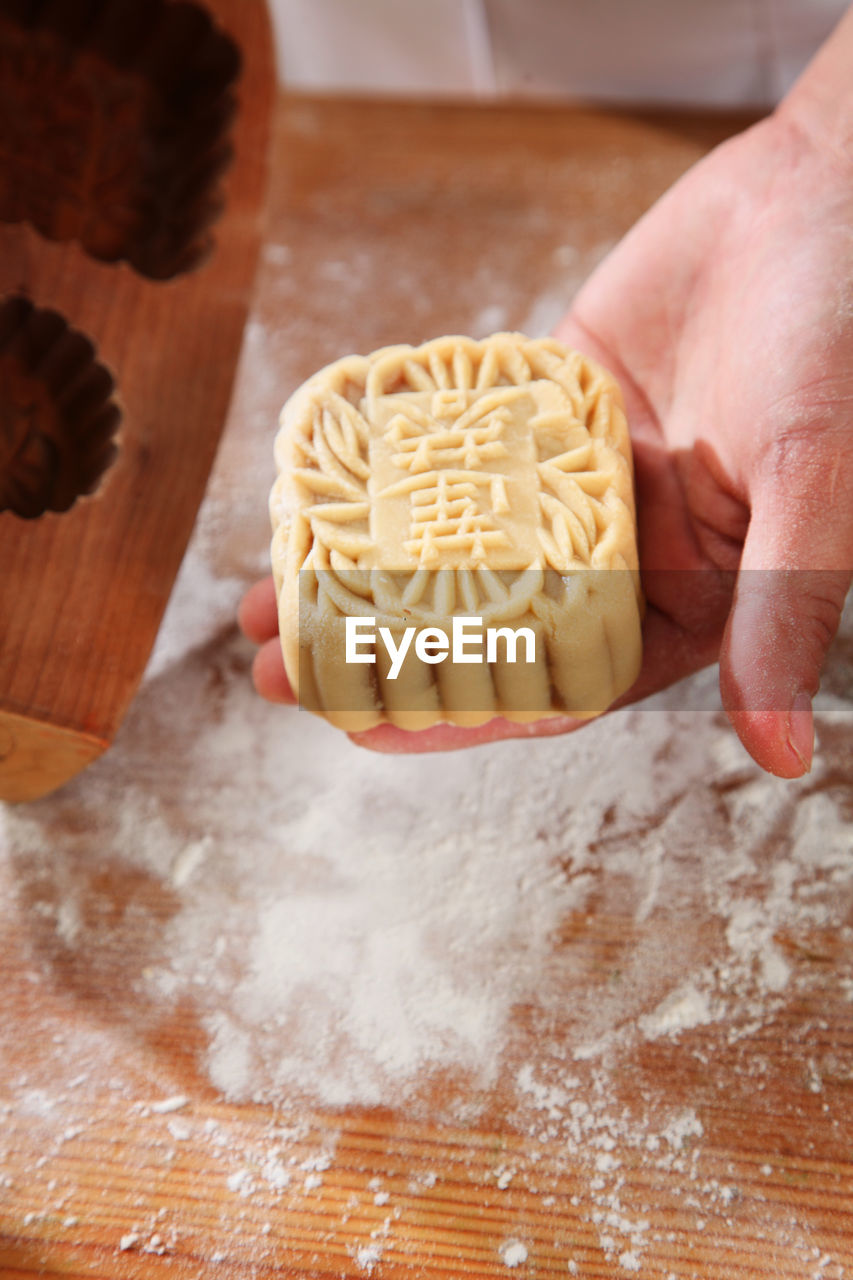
133 158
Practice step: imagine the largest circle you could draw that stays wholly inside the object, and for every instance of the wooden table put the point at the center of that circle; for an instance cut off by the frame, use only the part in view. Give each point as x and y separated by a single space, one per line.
661 950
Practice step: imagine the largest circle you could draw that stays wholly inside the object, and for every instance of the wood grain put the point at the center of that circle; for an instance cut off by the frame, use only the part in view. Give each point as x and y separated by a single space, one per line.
37 750
82 593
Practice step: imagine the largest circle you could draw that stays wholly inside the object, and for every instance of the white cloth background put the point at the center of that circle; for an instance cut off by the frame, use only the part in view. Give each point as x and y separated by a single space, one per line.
691 52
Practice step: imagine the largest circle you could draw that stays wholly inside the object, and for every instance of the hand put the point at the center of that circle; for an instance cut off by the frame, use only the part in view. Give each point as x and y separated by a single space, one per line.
727 316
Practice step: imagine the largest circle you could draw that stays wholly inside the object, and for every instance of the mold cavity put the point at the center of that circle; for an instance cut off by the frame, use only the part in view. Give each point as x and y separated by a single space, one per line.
116 118
57 417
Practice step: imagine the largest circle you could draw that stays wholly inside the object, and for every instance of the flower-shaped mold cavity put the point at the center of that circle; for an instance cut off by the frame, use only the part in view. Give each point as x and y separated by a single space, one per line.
57 417
116 118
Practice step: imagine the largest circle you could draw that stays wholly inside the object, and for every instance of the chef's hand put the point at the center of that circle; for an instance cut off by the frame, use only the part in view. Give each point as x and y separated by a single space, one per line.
727 316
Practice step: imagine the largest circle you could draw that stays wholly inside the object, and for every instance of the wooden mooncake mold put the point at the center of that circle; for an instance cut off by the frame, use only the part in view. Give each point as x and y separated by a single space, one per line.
459 480
118 117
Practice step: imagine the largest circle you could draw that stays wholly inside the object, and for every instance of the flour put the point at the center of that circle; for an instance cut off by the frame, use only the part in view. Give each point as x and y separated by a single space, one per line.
176 1103
354 970
513 1253
367 1256
346 941
682 1009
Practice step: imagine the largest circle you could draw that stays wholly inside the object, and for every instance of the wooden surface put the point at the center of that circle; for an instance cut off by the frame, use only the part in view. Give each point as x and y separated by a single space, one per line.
670 1095
82 592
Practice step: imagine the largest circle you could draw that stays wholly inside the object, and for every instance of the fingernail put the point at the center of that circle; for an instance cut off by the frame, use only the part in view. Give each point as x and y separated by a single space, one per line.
801 730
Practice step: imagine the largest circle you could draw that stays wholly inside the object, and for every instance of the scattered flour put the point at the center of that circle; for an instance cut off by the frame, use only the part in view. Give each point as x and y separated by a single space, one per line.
367 1257
344 941
679 1011
176 1103
513 1253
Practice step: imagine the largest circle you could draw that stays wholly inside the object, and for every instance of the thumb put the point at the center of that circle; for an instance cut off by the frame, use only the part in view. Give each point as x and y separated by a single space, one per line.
794 575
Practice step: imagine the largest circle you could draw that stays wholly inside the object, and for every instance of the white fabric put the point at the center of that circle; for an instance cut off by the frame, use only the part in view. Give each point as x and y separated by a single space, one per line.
700 52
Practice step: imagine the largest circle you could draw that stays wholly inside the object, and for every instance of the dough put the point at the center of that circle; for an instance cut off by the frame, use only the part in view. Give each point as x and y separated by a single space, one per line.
422 486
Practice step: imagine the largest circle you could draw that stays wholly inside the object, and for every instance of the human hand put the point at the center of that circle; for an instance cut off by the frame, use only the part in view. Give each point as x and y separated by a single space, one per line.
727 316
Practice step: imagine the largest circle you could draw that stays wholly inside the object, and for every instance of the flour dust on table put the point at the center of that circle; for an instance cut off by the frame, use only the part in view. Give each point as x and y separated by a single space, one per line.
582 938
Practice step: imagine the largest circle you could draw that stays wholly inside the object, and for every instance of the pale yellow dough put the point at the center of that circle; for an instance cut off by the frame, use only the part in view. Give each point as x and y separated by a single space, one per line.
489 479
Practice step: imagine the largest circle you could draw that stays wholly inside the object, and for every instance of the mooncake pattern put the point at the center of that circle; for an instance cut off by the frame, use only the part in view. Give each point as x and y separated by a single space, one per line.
484 478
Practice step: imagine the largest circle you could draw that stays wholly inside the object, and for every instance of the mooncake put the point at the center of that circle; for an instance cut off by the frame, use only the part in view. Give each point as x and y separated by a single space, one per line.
454 535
